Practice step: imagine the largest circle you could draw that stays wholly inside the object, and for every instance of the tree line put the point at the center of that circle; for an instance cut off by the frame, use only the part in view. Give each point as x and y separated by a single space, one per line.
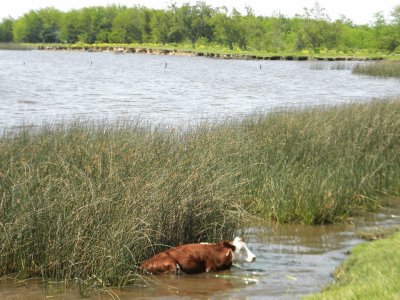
201 24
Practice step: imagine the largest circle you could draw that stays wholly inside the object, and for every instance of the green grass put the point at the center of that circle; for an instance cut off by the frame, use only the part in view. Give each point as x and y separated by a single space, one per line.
15 46
371 272
94 199
379 69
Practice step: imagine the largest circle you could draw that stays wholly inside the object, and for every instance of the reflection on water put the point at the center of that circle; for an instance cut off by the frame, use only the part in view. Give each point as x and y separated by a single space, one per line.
46 85
292 261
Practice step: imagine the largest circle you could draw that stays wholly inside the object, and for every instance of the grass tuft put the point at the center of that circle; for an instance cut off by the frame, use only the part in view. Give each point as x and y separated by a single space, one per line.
379 69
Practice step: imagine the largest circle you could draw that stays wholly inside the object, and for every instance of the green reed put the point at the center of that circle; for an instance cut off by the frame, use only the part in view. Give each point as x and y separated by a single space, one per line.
321 165
83 199
95 199
379 69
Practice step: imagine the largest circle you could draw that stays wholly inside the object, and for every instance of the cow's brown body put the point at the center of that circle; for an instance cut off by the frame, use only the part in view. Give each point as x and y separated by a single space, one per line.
191 259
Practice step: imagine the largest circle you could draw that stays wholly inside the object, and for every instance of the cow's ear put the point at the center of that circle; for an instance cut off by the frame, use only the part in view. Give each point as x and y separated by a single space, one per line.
228 245
230 252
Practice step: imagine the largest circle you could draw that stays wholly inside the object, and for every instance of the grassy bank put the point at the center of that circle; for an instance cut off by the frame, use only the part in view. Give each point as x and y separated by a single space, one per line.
15 46
224 52
371 272
379 69
89 199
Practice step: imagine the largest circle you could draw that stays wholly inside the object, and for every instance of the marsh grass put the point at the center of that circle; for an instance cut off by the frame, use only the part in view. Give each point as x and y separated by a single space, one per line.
342 66
15 46
379 69
80 200
318 66
319 165
86 200
338 66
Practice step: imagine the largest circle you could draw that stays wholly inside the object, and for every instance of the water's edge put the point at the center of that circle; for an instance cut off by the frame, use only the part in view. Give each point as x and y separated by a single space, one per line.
210 54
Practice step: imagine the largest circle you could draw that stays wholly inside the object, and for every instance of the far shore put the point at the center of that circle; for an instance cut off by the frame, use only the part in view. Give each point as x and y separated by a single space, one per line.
207 52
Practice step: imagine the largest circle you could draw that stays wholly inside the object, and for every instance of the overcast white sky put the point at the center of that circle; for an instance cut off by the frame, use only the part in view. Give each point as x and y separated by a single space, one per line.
360 12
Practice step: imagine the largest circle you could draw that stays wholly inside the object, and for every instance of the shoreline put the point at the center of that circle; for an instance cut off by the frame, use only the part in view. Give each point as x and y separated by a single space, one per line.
360 275
117 49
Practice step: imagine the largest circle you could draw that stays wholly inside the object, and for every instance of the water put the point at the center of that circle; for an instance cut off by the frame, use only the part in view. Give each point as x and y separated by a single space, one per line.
37 86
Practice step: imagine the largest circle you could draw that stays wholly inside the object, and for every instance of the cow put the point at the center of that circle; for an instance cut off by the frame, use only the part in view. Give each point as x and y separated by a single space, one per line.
198 258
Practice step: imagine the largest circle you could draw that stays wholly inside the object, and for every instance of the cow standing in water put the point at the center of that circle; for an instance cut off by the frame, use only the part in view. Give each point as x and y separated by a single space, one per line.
198 258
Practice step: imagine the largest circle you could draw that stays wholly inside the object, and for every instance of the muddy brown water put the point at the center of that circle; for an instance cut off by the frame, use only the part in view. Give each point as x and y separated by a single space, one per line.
292 261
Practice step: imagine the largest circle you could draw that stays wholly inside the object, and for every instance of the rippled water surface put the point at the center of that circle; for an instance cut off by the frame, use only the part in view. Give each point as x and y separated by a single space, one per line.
49 85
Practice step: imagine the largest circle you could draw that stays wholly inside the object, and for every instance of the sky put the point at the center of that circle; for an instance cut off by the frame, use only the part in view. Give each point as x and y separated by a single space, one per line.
360 12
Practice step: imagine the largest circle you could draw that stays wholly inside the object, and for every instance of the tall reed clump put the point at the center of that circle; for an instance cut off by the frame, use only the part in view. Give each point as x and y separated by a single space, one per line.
380 69
86 200
320 165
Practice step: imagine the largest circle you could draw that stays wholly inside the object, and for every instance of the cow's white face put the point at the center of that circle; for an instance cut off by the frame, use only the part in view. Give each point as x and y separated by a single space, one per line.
242 253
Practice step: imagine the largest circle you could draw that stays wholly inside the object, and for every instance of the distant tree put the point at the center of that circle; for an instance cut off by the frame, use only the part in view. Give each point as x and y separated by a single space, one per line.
312 30
255 31
128 26
41 26
50 25
386 36
316 31
241 28
379 21
71 28
6 30
225 30
93 23
194 22
203 22
396 15
396 27
277 32
161 26
346 21
147 30
28 28
390 39
105 19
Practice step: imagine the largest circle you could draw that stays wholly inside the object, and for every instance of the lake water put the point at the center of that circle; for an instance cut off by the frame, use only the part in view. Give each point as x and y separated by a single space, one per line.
37 86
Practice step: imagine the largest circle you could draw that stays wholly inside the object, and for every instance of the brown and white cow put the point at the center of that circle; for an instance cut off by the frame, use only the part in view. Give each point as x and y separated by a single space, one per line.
197 258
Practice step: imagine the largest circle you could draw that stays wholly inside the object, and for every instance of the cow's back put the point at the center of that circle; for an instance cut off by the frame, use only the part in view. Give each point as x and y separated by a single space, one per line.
159 264
191 259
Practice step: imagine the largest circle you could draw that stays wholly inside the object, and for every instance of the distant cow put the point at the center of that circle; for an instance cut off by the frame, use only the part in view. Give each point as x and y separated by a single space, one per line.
197 258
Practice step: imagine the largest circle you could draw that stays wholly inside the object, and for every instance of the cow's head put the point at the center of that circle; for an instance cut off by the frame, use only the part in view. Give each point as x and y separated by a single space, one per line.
241 252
